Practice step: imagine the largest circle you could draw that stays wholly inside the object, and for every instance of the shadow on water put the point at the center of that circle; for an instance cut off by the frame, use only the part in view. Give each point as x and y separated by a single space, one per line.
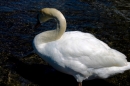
46 75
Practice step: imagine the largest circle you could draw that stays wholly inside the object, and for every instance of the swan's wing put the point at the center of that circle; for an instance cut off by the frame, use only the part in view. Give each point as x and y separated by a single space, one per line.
84 48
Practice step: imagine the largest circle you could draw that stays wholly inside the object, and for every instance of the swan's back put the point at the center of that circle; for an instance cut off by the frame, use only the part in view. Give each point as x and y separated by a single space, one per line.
85 49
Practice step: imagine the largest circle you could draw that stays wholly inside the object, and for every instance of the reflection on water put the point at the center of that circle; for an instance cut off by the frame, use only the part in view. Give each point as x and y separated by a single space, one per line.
108 20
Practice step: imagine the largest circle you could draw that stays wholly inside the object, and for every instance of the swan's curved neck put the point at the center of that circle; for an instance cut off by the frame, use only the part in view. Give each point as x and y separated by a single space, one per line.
53 35
61 25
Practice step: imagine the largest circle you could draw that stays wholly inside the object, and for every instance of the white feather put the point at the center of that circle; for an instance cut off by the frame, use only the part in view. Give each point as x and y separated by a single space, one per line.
76 53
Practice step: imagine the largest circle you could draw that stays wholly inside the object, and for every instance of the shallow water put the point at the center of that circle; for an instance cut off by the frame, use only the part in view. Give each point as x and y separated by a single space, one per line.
108 20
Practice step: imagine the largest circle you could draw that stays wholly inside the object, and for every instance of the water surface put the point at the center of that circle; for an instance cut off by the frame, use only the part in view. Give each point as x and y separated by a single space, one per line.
107 20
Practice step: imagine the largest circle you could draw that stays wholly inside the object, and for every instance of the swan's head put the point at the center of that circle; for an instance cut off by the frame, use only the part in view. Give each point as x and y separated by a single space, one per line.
49 13
44 15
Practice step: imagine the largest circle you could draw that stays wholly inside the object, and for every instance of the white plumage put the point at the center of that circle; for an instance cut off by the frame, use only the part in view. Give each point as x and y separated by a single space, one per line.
79 54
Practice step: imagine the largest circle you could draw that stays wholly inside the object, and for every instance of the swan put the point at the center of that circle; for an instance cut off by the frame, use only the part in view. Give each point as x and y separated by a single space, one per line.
79 54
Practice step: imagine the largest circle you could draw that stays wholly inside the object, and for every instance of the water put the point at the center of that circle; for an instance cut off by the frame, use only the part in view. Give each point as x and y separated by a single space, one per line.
108 20
18 18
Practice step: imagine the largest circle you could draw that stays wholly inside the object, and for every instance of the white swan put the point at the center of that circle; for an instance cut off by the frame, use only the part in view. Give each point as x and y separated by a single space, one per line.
76 53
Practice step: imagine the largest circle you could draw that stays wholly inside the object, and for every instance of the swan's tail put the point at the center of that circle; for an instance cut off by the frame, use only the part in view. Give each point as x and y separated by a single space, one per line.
109 71
119 58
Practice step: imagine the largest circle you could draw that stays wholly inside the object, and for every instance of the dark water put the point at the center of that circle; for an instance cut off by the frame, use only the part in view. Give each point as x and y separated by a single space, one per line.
19 16
108 20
